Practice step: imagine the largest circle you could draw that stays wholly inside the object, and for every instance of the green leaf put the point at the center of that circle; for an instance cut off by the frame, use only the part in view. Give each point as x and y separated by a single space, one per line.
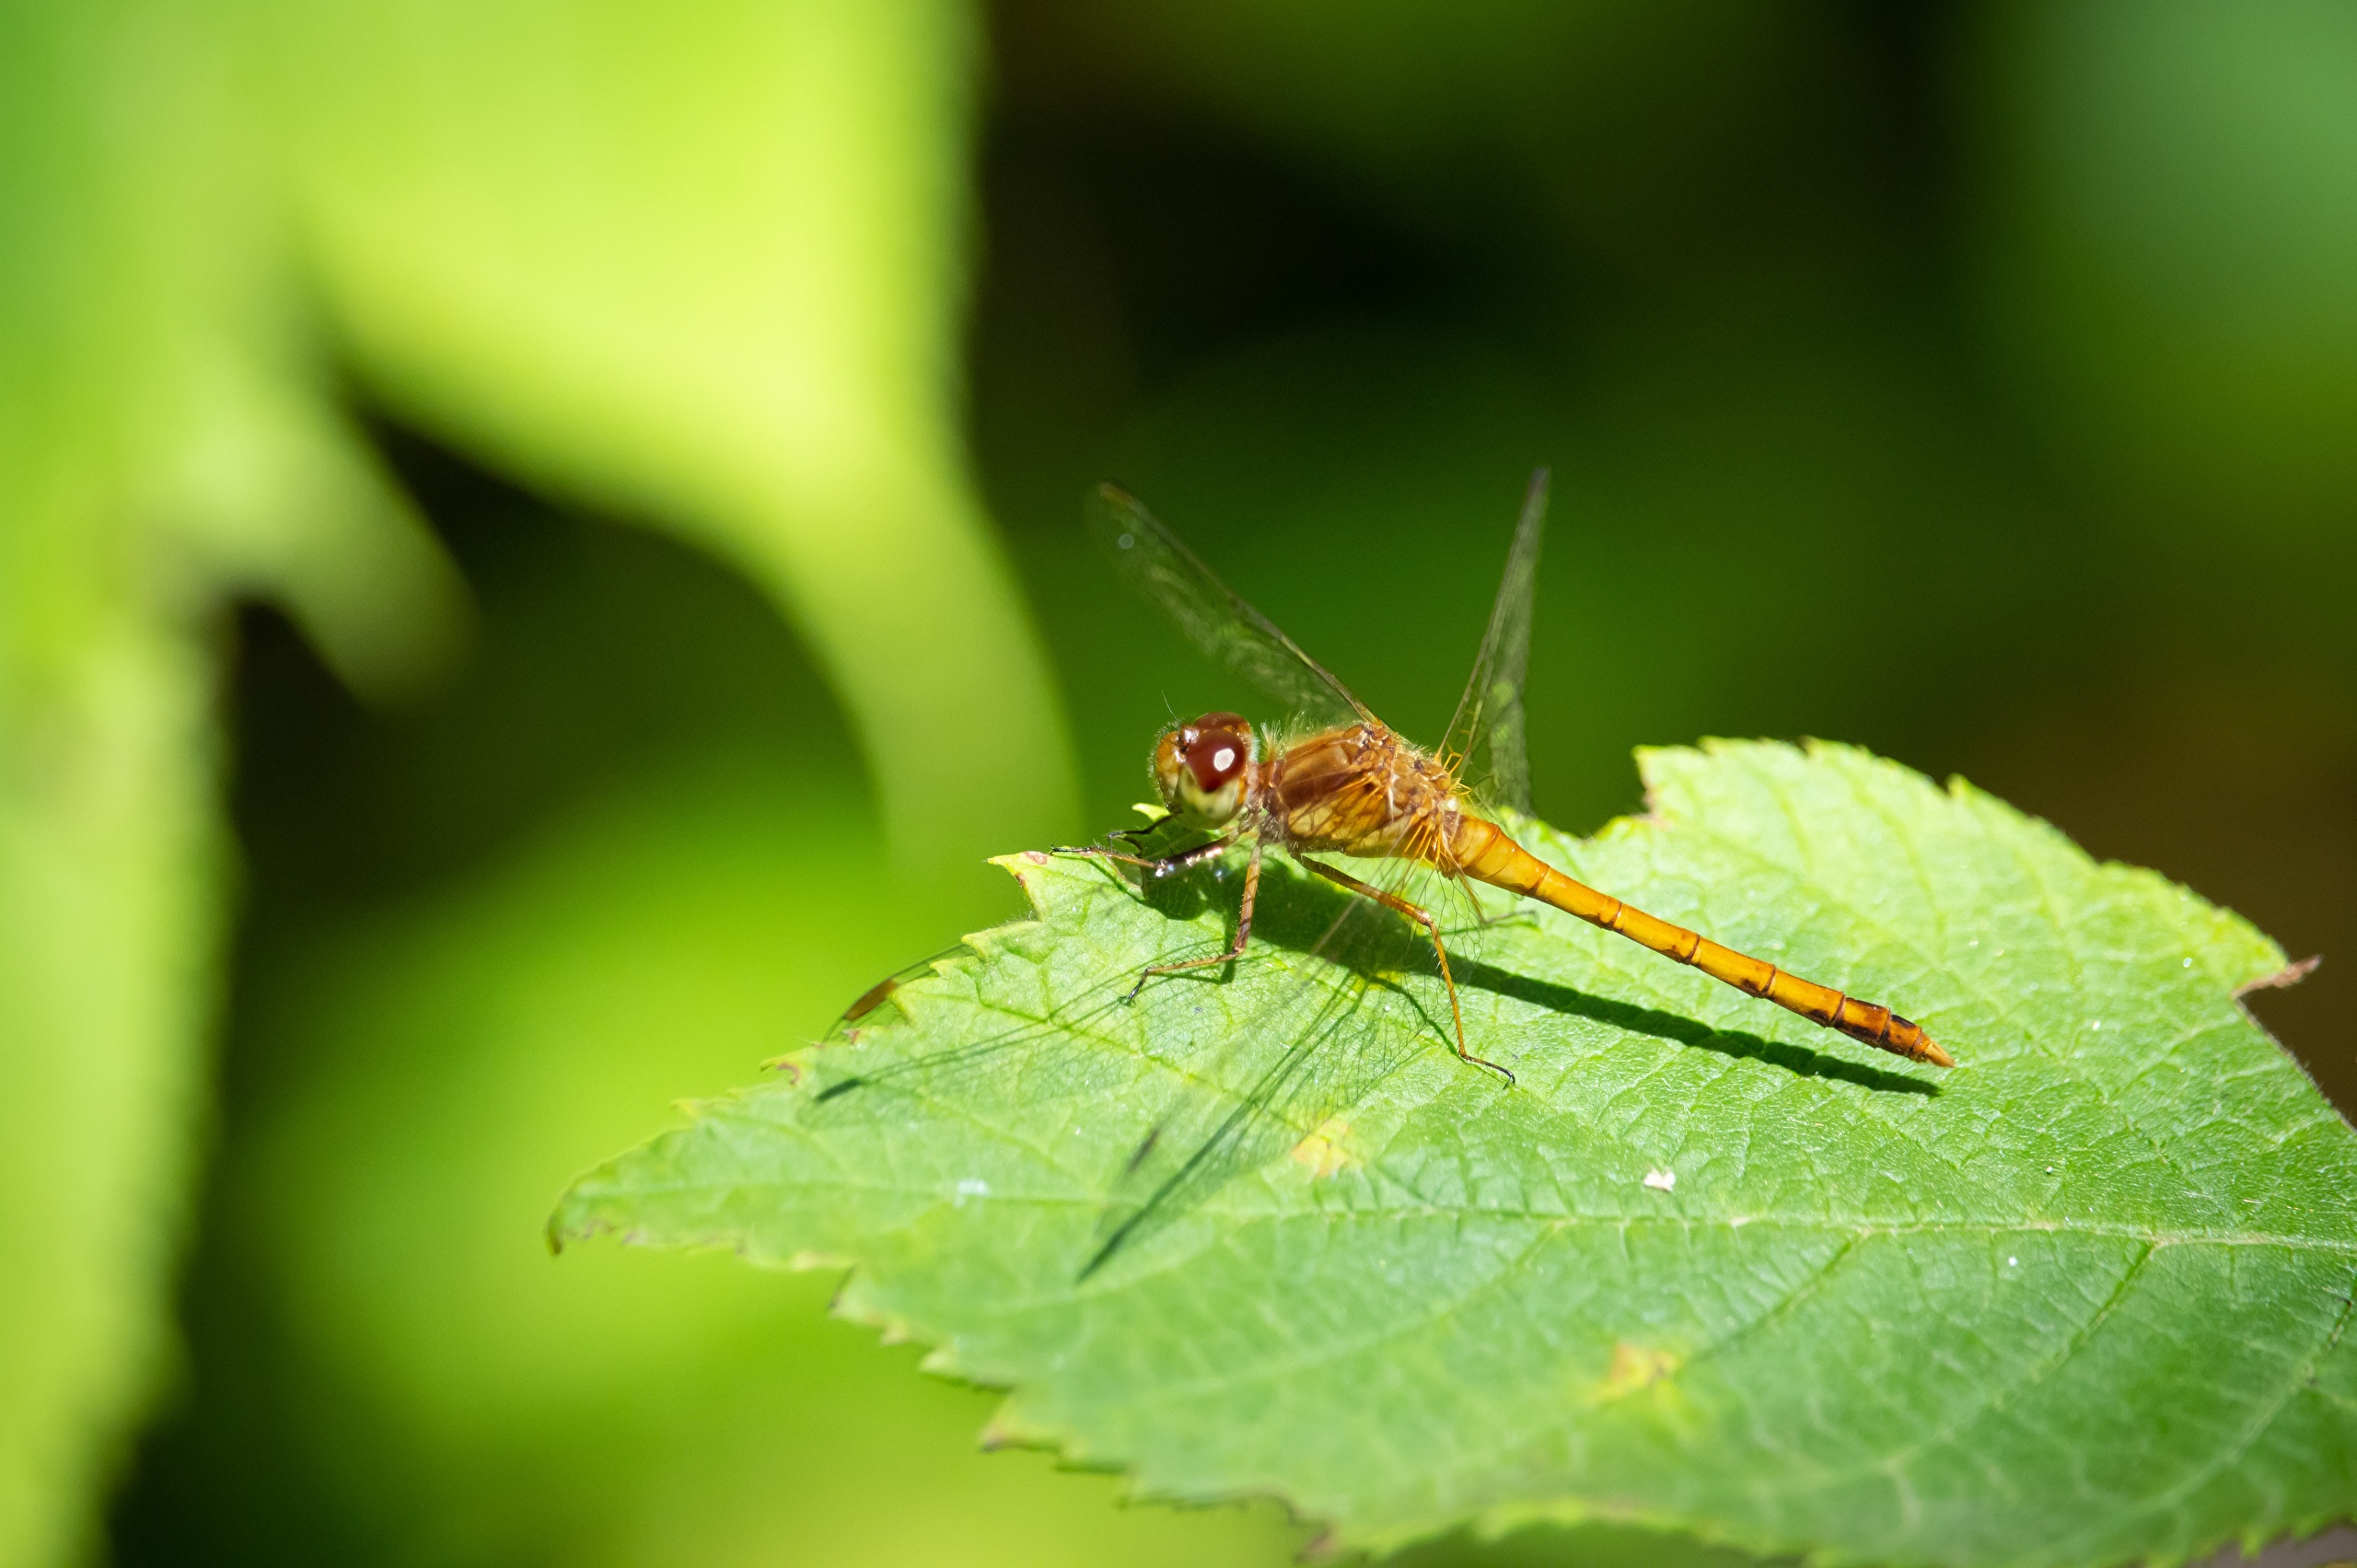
161 442
702 266
2083 1299
699 264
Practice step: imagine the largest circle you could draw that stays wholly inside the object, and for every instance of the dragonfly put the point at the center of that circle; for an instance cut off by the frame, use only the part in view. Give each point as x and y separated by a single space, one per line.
1329 780
1354 786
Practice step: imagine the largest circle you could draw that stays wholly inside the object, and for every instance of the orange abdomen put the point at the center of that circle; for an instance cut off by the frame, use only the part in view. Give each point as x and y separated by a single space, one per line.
1483 850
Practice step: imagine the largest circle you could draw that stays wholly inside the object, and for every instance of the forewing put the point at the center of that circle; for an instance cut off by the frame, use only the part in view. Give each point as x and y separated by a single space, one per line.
1485 741
871 1001
1153 562
1358 1000
1347 996
857 1065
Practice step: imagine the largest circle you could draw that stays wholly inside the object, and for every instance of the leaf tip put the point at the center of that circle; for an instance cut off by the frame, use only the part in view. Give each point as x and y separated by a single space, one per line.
2282 979
1025 866
561 1227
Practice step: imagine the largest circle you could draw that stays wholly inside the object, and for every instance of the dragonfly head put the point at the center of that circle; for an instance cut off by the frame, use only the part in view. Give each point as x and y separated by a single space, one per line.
1203 768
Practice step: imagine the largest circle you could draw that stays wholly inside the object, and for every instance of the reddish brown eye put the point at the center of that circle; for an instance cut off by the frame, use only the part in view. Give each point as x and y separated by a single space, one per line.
1215 756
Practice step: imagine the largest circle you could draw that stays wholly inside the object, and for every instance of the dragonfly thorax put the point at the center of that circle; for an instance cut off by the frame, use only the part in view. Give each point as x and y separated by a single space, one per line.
1203 768
1362 790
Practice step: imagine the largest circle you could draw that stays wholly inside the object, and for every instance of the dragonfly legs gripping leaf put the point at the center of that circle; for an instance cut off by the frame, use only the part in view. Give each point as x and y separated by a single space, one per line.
1170 865
1130 836
1423 917
1243 922
1167 865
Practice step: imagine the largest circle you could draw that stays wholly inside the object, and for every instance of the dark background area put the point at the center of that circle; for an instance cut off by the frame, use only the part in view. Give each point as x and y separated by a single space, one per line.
1782 297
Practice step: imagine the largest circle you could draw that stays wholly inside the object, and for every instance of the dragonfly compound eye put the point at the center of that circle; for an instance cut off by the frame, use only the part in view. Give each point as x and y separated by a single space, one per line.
1216 756
1200 768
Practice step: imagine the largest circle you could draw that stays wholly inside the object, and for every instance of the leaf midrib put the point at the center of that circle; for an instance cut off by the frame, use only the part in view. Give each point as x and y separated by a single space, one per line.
1890 1465
1861 1229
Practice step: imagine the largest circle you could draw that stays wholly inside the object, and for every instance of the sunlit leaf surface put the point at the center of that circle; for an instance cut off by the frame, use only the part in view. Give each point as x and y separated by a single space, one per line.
2081 1300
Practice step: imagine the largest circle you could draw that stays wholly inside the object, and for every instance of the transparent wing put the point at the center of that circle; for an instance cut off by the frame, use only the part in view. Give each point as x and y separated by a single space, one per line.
1034 1055
1355 999
1346 996
1484 741
849 1021
1152 561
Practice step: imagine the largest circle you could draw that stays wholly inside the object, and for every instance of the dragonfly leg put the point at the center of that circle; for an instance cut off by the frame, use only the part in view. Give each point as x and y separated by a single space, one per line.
1169 864
1423 917
1242 925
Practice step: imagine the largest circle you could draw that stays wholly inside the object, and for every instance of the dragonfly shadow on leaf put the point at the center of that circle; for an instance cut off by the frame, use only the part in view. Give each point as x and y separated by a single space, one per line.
1188 895
1298 913
1797 1060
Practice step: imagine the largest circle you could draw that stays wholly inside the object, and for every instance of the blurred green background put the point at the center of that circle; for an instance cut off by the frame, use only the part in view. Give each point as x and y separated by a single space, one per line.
538 551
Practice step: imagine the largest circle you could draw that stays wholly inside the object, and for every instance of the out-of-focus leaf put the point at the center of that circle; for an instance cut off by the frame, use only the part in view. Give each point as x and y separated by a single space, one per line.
472 1400
278 499
159 444
2084 1299
2173 187
702 264
1398 83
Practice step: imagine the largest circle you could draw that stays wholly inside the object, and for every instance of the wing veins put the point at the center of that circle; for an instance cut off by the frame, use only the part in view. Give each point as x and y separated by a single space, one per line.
1485 741
1272 1095
1159 567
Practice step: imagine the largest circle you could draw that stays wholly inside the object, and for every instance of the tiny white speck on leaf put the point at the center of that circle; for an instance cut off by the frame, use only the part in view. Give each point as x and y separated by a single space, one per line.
2189 963
2012 1263
971 1187
1661 1180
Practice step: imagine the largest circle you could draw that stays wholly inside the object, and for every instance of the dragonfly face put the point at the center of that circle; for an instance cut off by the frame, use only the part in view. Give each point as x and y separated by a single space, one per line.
1203 768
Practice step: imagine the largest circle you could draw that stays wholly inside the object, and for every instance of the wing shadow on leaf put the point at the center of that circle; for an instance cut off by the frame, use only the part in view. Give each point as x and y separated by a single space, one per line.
1309 1048
1024 1055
